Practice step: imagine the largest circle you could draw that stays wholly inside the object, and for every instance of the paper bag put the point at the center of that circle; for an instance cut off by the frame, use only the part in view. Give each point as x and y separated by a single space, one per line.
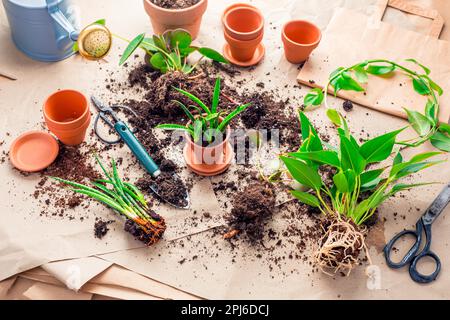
353 37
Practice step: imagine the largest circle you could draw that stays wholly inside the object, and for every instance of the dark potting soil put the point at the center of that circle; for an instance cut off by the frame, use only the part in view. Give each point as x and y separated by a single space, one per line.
347 105
251 210
101 228
175 4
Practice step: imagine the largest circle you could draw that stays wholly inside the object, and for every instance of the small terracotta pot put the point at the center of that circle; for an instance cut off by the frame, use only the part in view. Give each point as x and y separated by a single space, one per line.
169 19
67 115
244 23
208 161
237 5
300 38
243 50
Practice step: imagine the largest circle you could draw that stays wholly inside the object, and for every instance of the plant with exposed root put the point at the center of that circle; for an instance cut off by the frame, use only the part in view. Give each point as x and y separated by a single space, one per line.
356 190
127 200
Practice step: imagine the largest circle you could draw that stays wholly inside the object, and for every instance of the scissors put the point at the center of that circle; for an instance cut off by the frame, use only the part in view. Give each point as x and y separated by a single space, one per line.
415 254
127 136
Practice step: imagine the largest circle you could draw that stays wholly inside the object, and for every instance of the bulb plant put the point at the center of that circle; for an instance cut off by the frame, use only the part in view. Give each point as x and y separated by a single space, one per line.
207 124
125 199
357 190
169 52
425 124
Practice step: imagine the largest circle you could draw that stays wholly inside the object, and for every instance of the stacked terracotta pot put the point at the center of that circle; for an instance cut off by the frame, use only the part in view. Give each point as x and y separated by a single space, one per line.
243 26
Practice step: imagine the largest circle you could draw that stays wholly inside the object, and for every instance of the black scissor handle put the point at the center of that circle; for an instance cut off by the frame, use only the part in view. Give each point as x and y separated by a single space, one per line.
409 255
419 277
104 116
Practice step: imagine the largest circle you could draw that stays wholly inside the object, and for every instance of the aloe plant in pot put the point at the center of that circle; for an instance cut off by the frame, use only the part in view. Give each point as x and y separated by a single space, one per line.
357 188
208 151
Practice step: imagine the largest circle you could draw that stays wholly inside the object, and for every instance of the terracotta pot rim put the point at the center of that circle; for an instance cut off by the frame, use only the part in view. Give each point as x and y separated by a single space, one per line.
69 123
246 43
195 6
286 38
256 31
80 127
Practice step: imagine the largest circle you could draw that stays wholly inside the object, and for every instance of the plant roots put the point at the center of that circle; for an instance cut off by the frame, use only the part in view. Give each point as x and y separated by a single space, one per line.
340 248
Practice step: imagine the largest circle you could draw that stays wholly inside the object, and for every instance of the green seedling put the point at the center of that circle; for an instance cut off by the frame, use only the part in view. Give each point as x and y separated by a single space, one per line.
425 124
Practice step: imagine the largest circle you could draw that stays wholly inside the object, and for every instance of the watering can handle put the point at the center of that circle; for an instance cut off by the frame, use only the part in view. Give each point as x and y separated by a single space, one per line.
60 18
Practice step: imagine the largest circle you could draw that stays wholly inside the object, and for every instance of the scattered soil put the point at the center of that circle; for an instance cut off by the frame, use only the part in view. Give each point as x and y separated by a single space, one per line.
101 228
175 4
251 209
347 105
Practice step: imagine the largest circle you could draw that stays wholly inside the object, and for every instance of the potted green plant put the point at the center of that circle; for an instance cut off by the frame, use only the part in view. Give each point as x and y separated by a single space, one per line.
357 188
208 151
169 52
169 15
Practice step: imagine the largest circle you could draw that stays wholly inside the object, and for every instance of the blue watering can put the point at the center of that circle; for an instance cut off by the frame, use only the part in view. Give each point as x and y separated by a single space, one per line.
46 30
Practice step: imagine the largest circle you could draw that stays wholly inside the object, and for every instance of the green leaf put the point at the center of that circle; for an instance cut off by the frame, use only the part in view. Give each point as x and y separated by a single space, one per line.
398 159
423 156
187 51
323 157
198 130
444 128
177 59
314 98
159 42
361 74
306 198
132 46
334 117
186 110
303 173
311 140
216 96
345 82
427 70
430 112
434 85
212 54
340 181
75 47
370 176
421 87
379 148
212 116
380 70
360 210
149 45
351 179
351 157
441 141
158 61
402 187
194 99
175 127
231 116
414 168
181 39
420 123
101 22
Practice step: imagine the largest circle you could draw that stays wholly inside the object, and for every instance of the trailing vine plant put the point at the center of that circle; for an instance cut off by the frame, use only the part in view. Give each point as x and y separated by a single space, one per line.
425 124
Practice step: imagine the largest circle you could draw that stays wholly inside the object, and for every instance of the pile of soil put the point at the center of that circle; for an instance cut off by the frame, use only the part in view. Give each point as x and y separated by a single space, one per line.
251 210
175 4
101 228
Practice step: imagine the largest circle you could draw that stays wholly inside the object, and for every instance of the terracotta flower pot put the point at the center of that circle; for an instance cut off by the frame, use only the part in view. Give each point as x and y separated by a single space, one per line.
237 5
244 23
243 50
67 115
211 160
188 19
300 38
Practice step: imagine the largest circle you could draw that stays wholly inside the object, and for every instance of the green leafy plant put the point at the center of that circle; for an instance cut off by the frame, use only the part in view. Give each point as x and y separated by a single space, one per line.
170 51
126 199
425 124
357 188
206 123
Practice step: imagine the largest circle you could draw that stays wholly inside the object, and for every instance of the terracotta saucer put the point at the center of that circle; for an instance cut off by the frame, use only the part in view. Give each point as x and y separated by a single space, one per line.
33 151
257 57
203 170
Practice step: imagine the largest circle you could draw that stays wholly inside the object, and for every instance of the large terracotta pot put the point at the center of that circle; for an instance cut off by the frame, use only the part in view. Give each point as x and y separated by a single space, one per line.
211 160
188 19
67 115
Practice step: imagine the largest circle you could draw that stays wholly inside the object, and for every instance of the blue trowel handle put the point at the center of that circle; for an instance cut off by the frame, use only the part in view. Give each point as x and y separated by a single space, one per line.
137 148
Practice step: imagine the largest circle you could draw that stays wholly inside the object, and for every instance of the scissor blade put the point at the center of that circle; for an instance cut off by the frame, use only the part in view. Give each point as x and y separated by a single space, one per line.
438 205
98 104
